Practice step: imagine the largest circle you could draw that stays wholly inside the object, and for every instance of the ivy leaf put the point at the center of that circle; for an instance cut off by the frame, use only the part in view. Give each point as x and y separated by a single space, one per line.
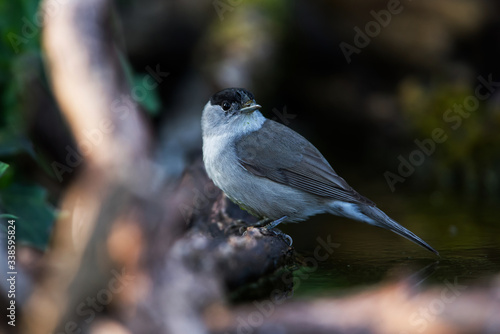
35 215
3 168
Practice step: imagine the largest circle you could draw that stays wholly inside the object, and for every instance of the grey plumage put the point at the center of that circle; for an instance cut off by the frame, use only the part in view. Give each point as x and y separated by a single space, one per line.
293 161
272 171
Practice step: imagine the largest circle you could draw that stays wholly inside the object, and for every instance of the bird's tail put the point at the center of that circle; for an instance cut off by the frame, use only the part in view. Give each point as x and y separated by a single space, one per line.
374 216
378 218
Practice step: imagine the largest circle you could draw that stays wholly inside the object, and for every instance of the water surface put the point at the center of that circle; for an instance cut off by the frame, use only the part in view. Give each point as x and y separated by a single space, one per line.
466 233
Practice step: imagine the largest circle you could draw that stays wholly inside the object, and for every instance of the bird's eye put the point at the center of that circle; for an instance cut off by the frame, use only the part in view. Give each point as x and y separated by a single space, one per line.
226 105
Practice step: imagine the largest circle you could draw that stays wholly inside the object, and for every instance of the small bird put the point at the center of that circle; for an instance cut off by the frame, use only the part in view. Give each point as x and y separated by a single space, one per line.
273 172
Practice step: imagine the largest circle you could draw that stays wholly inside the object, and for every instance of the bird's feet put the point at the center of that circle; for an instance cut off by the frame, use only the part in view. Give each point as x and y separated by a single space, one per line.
275 223
269 225
263 222
284 236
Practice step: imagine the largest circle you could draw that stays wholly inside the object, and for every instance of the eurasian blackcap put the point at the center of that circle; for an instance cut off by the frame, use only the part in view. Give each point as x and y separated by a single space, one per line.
273 172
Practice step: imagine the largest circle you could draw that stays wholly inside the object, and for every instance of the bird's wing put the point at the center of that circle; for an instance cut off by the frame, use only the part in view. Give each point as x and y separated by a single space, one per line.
280 154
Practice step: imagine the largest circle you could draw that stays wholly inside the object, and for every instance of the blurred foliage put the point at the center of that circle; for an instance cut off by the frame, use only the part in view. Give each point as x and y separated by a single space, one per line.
470 152
20 197
21 194
3 168
29 205
141 93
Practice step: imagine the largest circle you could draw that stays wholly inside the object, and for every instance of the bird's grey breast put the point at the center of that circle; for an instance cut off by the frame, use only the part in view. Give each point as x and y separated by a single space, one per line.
218 156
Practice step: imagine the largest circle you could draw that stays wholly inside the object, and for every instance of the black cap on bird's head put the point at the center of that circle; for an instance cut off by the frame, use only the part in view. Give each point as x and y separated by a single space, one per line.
231 95
235 99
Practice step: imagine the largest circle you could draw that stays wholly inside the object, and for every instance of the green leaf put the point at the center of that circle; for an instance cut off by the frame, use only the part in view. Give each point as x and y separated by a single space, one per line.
3 168
148 98
35 215
6 215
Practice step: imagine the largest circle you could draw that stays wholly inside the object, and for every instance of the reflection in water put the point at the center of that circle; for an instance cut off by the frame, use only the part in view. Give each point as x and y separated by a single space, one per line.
467 235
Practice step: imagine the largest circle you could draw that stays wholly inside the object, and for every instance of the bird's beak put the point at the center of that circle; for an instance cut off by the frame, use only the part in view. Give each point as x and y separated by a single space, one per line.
250 107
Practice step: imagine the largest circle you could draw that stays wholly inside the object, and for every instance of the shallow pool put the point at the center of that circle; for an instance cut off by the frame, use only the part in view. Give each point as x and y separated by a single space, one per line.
466 233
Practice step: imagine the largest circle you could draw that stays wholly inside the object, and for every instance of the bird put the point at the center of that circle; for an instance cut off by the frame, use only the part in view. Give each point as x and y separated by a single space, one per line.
273 172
